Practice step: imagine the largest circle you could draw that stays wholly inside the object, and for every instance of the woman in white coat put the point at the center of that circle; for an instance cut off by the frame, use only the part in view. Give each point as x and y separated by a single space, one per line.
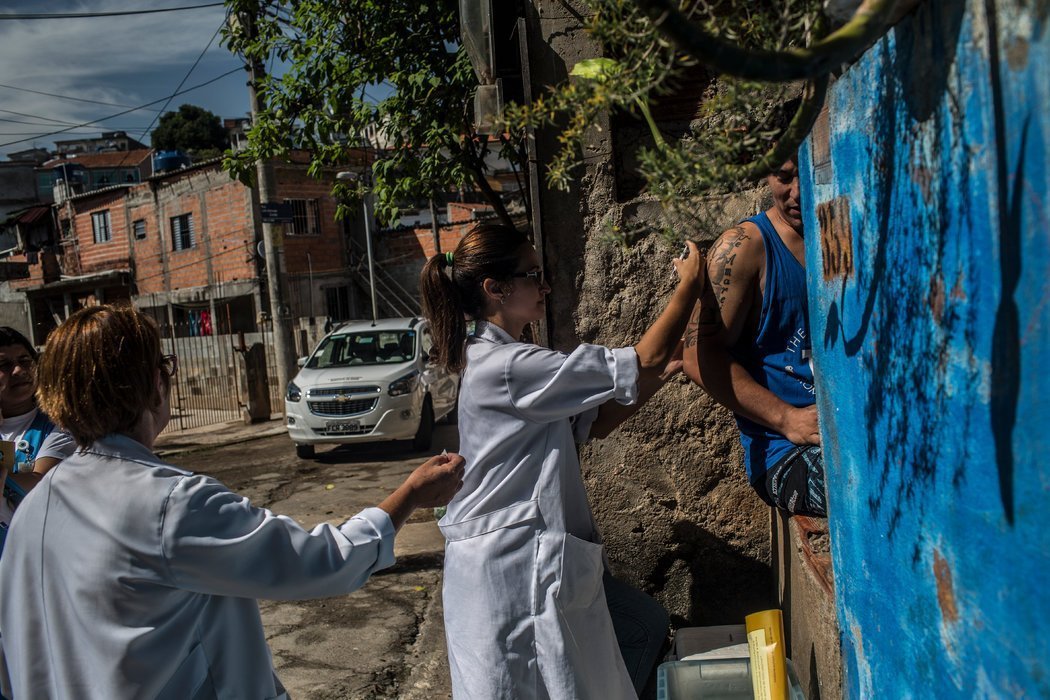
125 577
525 608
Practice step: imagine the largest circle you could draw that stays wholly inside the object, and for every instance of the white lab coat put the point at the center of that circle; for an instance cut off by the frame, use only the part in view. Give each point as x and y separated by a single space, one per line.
125 577
525 610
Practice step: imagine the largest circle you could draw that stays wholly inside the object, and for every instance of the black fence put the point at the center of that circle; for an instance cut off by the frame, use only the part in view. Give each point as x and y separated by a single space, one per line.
207 387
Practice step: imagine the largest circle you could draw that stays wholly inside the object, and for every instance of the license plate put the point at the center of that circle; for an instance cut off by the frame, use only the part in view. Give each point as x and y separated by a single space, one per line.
343 425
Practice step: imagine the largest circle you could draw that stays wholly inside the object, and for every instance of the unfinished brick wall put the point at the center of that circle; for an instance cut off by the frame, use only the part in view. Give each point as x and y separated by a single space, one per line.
321 252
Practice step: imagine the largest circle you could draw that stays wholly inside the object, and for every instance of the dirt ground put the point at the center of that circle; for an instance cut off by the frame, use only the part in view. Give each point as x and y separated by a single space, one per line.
383 641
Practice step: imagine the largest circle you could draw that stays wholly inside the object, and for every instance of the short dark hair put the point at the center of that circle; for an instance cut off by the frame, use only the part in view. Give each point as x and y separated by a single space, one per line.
9 336
97 375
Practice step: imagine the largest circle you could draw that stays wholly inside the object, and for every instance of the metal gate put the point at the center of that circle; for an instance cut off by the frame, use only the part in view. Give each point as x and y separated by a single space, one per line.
205 390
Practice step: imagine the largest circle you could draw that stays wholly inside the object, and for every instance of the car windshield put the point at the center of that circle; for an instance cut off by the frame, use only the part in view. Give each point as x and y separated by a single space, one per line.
364 348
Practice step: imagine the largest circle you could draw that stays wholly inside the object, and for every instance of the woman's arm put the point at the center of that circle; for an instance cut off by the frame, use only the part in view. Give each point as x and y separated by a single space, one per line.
214 541
660 349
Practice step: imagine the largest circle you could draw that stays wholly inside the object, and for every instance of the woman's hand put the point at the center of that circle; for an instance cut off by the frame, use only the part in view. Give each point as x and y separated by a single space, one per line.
436 481
692 270
432 484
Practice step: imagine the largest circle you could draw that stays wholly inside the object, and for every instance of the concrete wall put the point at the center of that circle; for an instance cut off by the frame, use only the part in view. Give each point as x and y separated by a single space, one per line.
668 488
931 328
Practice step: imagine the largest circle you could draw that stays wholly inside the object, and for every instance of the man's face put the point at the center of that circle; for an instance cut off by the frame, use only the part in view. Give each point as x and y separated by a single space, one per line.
784 185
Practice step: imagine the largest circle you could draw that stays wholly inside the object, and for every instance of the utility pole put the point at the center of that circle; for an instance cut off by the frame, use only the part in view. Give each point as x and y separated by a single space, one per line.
366 207
273 236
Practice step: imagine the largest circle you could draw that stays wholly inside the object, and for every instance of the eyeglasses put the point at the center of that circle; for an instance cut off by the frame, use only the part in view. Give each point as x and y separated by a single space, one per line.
536 276
170 364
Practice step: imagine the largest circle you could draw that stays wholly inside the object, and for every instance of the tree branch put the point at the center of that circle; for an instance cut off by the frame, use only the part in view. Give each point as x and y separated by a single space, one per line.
844 45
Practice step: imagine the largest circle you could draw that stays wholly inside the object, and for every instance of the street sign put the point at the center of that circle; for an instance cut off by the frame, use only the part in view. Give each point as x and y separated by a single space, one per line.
276 213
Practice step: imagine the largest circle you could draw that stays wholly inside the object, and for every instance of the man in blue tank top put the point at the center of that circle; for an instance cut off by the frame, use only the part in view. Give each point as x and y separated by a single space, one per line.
748 346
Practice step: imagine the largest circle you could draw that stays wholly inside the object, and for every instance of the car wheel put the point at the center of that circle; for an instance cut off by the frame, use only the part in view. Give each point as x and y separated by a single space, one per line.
304 451
425 432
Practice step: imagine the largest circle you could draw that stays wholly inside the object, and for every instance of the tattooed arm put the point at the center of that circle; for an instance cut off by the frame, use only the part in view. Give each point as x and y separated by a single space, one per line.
728 310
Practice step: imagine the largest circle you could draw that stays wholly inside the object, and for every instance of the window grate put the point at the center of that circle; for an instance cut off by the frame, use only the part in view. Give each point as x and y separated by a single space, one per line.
100 227
306 217
183 236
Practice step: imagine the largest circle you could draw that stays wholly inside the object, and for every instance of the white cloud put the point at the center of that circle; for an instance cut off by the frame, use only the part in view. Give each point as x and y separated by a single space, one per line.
128 60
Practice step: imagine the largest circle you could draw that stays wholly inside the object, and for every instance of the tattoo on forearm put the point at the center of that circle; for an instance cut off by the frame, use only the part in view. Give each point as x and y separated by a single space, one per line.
691 328
721 261
709 320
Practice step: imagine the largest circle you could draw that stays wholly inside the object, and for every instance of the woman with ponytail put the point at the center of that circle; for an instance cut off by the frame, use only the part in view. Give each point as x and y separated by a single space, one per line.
525 604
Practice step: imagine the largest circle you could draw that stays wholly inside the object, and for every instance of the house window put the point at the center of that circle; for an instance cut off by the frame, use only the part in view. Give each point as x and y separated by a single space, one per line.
139 227
306 217
100 226
182 234
337 303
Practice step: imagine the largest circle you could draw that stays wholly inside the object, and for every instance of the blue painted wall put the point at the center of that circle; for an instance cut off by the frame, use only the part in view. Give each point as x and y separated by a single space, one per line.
930 322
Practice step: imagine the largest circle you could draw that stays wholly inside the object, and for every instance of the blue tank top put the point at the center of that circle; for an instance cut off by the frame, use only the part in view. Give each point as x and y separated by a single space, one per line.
778 357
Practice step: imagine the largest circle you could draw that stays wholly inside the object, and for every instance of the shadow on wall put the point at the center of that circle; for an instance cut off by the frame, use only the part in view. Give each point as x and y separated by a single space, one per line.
913 292
692 570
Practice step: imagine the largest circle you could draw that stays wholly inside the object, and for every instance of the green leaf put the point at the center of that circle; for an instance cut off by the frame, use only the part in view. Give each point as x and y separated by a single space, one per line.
599 69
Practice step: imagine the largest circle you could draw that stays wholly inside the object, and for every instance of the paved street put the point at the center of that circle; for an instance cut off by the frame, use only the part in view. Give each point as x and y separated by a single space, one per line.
384 641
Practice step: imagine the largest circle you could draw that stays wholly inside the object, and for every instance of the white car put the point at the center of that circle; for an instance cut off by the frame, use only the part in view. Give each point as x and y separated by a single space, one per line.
369 382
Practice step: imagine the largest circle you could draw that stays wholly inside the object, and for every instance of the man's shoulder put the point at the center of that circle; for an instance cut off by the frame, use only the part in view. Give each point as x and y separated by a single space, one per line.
742 245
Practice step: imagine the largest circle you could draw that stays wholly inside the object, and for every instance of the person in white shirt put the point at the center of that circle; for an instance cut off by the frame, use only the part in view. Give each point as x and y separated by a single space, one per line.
525 604
126 577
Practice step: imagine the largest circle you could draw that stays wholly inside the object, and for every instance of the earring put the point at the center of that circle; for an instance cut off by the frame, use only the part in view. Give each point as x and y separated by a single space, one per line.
502 300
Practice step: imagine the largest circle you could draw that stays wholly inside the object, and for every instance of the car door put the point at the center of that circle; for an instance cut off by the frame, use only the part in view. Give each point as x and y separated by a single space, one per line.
443 384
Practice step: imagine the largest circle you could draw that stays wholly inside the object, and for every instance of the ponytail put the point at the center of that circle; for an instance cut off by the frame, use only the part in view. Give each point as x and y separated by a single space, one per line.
450 286
444 310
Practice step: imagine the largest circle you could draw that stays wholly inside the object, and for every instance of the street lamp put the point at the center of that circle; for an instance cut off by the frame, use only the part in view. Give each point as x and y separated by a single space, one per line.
344 176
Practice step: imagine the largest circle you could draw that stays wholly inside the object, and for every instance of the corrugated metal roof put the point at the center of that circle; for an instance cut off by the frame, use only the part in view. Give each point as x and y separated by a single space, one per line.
33 214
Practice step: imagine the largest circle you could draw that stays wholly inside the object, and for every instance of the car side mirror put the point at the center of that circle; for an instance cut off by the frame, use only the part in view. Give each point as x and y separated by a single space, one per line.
301 362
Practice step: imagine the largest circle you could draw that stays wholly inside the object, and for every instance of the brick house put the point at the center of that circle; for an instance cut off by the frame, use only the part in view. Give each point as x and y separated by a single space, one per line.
187 244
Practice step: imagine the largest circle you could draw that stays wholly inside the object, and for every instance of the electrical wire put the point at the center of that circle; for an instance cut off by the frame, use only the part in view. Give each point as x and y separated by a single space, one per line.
56 122
69 97
134 109
181 83
83 15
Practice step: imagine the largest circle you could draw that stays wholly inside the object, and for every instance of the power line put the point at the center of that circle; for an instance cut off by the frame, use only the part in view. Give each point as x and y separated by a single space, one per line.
185 77
81 15
66 97
55 122
179 86
134 109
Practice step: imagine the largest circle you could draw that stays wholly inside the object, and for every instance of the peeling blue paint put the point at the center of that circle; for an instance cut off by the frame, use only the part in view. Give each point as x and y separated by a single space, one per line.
933 358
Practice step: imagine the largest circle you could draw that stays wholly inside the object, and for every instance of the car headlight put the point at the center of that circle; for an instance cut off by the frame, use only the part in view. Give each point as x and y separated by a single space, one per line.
294 393
404 385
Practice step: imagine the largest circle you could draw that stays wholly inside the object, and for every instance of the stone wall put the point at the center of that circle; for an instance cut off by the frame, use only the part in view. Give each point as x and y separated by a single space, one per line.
668 488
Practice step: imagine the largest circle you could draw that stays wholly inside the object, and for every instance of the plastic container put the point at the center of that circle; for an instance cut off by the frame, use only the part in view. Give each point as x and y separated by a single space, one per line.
713 679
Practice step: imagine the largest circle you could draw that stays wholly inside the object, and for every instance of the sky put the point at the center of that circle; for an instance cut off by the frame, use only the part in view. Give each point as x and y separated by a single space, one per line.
127 60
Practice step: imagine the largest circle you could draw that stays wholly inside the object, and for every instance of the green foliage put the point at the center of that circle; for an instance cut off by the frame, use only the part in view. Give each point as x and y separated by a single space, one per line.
336 56
192 129
739 121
